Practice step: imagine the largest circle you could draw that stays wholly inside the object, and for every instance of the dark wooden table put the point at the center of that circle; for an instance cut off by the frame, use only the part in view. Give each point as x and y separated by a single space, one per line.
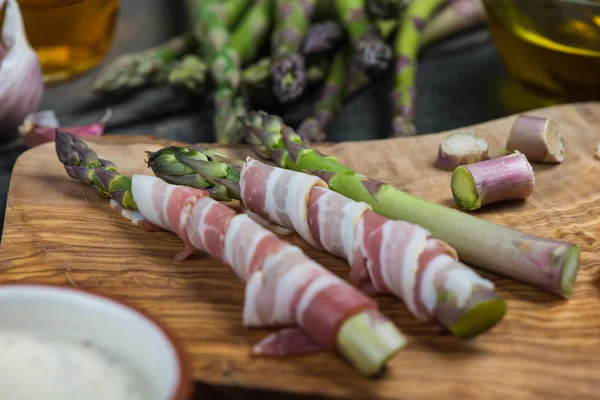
460 82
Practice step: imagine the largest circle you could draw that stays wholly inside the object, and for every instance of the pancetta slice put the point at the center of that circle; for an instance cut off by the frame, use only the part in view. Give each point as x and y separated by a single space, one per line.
385 256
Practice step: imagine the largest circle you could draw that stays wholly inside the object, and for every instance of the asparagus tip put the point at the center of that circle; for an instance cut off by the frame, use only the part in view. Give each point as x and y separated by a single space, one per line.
294 149
373 56
289 80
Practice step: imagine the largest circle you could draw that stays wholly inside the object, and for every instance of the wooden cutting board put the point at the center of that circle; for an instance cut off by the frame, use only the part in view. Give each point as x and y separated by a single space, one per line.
58 230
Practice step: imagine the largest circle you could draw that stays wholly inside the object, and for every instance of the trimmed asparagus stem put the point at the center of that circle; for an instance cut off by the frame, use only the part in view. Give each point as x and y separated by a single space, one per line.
188 75
328 105
406 45
491 181
598 151
149 67
386 9
551 265
538 138
458 16
461 147
293 20
373 55
368 343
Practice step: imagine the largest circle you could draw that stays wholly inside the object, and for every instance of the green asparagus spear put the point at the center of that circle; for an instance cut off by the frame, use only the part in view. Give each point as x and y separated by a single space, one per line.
188 75
329 103
373 55
133 71
293 20
210 28
248 36
548 264
234 9
407 44
207 168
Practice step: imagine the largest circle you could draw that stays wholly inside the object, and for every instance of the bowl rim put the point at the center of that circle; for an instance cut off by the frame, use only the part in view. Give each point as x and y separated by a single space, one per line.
184 387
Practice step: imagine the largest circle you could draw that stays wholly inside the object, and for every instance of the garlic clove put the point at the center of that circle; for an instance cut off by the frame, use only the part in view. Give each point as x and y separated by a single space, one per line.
21 79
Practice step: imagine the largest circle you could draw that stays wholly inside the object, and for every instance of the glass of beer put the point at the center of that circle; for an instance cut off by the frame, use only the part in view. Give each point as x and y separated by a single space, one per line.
69 36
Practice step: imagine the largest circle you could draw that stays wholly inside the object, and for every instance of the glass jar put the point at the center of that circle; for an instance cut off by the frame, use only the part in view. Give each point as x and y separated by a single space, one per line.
69 36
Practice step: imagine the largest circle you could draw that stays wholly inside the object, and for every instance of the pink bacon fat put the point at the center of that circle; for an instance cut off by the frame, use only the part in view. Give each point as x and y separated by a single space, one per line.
385 256
284 286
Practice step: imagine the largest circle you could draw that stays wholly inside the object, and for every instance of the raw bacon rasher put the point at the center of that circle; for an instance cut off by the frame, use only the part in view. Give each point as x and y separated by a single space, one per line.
284 286
386 256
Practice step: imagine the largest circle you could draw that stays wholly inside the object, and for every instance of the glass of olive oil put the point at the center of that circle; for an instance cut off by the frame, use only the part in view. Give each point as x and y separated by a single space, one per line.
69 36
552 46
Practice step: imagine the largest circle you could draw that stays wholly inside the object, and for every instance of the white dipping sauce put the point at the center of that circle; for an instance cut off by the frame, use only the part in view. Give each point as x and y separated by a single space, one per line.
34 367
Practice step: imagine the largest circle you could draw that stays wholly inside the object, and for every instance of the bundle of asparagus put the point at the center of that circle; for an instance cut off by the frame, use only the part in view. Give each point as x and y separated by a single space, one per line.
321 53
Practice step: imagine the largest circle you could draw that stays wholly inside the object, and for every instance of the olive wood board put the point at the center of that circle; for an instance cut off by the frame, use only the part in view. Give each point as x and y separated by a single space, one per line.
58 231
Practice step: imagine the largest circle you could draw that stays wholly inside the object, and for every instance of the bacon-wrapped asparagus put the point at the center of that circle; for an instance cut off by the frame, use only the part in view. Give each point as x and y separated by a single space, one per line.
284 287
548 264
385 256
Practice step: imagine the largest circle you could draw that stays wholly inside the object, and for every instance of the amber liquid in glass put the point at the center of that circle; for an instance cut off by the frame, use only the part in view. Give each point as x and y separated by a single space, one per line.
550 62
69 36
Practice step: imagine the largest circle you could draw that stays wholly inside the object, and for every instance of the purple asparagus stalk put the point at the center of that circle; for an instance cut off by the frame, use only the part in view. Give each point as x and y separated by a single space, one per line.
491 181
386 9
461 147
293 20
538 138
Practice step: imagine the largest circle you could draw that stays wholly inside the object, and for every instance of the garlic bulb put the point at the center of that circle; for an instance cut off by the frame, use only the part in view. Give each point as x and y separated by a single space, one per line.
21 80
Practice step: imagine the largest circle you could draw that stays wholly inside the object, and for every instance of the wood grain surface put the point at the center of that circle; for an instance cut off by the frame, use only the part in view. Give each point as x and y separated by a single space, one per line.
58 230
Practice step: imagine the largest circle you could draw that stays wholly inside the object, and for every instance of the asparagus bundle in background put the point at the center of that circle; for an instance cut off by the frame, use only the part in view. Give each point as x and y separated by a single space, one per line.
477 312
406 44
373 54
293 19
551 265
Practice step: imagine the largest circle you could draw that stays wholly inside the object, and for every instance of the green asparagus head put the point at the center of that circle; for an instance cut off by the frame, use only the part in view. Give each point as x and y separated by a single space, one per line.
189 75
200 168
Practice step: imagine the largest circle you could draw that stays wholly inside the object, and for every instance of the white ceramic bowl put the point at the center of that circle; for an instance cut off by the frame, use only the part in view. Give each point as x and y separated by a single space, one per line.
66 313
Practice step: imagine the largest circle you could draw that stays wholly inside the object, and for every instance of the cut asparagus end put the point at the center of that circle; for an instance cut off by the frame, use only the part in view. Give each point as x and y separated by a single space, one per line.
480 317
368 341
491 181
464 190
538 138
598 151
460 148
569 261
